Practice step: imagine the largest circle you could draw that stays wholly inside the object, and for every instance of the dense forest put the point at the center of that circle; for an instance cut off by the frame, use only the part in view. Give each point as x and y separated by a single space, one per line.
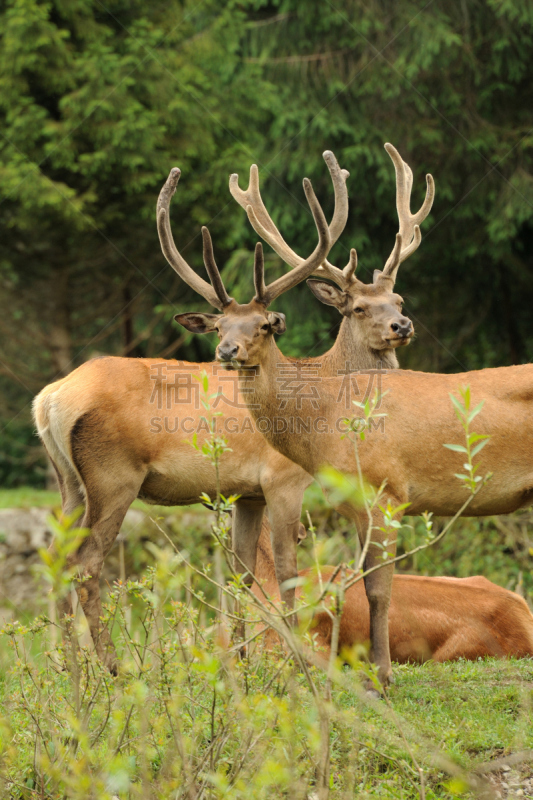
98 102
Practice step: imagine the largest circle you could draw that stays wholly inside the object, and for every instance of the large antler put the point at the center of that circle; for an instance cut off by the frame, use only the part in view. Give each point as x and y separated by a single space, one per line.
261 221
408 237
216 294
266 294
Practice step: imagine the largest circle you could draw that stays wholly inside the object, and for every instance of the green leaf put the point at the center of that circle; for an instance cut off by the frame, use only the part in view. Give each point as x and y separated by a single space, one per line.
479 447
458 448
458 405
475 411
475 437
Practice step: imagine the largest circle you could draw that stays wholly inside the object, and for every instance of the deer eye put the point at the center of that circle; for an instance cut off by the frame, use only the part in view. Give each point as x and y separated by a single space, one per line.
265 327
359 310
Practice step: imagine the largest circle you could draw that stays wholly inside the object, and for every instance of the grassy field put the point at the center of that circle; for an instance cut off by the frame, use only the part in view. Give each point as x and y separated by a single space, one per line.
28 497
187 719
184 712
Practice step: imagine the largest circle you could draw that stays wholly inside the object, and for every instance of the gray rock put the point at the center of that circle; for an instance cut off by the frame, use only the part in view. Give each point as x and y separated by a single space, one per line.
23 531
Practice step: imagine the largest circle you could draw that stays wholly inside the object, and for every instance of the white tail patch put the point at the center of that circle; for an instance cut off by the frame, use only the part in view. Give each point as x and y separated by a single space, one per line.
54 421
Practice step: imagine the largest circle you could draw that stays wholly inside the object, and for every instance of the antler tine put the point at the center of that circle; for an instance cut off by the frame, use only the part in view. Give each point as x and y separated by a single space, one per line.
351 266
340 212
259 274
212 269
170 251
338 222
261 220
310 264
263 225
392 264
409 223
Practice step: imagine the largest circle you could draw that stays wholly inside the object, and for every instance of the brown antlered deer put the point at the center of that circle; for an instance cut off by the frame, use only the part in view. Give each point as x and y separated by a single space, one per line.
118 428
442 619
406 452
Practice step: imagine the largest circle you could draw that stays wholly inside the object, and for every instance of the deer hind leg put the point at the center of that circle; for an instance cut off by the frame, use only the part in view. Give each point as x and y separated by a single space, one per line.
112 476
104 517
72 498
470 644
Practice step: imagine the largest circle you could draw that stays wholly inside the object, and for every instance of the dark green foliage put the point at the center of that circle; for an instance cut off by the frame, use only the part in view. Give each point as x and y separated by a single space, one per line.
448 84
97 103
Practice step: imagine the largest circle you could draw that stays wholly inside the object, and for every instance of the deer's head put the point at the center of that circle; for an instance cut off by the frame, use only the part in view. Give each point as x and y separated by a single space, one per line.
373 311
246 329
243 330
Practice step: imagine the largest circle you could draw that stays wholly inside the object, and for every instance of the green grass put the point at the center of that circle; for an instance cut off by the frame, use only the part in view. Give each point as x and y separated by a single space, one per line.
28 497
466 713
63 736
472 712
476 709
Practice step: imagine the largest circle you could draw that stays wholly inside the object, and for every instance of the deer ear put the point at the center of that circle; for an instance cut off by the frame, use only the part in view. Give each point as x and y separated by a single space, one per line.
328 294
277 322
198 323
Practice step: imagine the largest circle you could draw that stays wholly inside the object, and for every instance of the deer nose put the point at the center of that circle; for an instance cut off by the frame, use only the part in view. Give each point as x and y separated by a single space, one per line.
227 352
403 327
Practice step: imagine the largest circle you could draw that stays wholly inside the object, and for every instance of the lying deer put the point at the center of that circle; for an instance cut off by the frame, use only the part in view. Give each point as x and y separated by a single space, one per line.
406 454
120 428
442 619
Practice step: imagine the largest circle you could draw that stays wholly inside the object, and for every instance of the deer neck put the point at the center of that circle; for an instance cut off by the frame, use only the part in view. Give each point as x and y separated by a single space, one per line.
260 384
277 411
351 353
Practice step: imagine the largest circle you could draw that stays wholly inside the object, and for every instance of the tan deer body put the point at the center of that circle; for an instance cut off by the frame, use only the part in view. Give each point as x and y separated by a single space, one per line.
442 619
408 451
409 454
117 428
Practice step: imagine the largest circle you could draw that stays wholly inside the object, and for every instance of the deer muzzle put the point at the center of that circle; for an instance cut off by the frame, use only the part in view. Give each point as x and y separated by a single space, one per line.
231 353
402 329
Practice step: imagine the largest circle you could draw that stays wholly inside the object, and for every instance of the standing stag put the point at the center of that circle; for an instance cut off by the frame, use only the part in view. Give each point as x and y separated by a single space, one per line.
117 428
405 453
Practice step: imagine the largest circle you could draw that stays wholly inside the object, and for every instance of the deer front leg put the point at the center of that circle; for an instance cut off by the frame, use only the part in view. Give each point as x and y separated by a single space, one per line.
247 520
378 587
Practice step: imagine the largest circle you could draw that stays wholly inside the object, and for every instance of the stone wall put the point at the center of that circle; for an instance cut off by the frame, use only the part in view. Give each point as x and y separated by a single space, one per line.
23 531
